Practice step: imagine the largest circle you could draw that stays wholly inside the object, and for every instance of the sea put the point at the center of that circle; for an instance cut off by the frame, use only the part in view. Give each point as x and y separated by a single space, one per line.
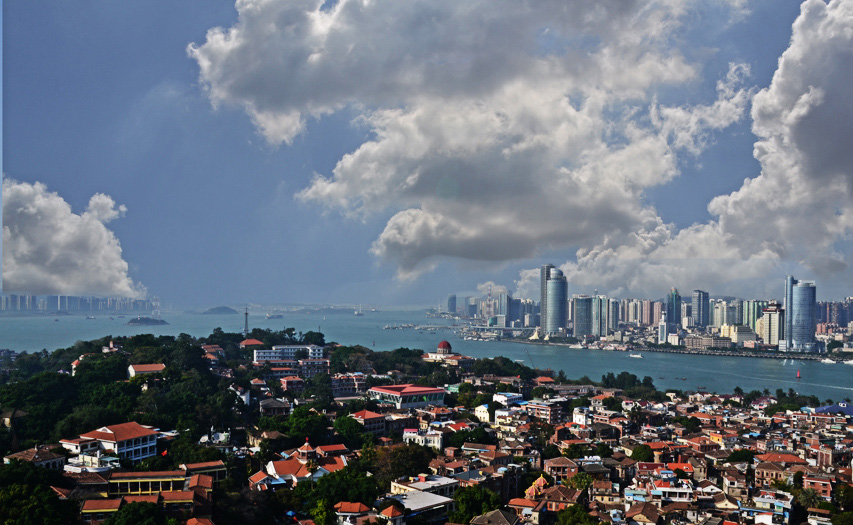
376 330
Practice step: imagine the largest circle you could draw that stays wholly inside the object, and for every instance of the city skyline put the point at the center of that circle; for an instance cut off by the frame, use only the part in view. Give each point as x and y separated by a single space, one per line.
642 149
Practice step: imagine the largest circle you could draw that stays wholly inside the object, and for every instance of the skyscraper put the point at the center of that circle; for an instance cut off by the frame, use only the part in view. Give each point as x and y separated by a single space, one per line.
451 303
544 275
599 315
557 290
673 307
582 306
699 308
802 338
800 316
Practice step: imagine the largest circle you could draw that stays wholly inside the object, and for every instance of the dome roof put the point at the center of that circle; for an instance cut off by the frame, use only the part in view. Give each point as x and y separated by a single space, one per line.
444 345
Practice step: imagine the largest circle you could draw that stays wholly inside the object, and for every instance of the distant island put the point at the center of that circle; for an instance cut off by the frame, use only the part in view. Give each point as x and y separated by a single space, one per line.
219 310
147 321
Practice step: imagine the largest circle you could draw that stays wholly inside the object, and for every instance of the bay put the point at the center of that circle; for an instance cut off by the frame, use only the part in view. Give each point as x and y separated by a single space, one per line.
685 372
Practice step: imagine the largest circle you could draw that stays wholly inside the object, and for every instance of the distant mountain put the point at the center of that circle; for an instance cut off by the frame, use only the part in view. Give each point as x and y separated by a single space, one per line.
219 310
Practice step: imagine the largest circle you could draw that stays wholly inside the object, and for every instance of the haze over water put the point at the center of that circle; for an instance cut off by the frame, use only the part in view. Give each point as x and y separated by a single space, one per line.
716 374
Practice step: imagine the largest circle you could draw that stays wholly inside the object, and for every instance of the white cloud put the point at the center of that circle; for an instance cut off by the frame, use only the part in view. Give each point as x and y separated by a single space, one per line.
47 248
797 212
499 129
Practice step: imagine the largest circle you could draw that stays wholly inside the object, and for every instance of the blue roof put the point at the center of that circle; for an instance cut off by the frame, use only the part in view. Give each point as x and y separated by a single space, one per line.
843 408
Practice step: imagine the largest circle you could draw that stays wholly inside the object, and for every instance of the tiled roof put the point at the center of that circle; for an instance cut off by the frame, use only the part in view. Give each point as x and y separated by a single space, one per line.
93 505
347 507
158 367
121 432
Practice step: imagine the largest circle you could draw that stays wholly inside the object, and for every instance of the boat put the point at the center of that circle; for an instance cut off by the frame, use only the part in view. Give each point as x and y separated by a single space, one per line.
90 317
850 362
828 361
636 356
358 313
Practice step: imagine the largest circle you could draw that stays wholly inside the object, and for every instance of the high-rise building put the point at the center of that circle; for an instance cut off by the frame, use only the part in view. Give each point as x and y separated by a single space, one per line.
647 313
451 303
802 338
673 307
582 307
614 313
657 309
800 316
663 329
699 308
772 323
599 315
557 290
752 311
544 275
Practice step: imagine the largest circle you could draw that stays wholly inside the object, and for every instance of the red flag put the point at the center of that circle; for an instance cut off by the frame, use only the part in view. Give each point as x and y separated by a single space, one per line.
164 452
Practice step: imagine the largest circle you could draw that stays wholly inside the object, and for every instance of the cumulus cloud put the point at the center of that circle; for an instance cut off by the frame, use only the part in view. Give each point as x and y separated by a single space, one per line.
498 129
49 249
797 211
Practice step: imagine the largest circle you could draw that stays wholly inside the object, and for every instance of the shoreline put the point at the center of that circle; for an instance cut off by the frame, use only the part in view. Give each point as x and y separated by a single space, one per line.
684 351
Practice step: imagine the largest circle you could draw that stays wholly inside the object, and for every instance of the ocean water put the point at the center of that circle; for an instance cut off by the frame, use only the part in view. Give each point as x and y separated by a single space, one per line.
686 372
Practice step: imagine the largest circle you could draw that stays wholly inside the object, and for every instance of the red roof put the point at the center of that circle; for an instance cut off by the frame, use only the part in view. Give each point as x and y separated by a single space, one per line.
346 507
406 390
149 474
251 342
444 345
121 432
178 495
391 512
148 498
157 367
365 414
92 505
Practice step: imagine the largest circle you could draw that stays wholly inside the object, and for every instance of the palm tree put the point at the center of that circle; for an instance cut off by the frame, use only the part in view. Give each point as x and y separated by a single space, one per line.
808 498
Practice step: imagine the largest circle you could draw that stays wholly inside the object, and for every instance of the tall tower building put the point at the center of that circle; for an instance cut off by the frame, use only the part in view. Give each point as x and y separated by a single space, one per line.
699 308
599 315
673 307
663 329
544 275
451 303
804 315
582 306
557 289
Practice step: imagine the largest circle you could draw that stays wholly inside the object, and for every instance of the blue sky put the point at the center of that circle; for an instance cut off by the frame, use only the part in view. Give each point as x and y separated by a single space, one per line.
387 153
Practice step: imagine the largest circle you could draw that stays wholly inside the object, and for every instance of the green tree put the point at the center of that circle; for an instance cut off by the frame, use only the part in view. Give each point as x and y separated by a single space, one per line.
808 498
473 501
351 431
741 456
643 453
394 462
575 515
581 481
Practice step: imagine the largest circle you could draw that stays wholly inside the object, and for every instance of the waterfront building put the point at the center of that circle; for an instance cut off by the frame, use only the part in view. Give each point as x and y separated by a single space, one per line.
556 316
657 309
544 275
582 308
614 313
673 307
599 315
752 311
663 330
800 315
772 324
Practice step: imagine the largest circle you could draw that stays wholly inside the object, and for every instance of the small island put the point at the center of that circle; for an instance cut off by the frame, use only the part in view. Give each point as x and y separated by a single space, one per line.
146 321
219 310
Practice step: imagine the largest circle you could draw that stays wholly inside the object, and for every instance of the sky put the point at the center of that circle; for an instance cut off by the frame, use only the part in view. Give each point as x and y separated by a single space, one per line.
382 152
